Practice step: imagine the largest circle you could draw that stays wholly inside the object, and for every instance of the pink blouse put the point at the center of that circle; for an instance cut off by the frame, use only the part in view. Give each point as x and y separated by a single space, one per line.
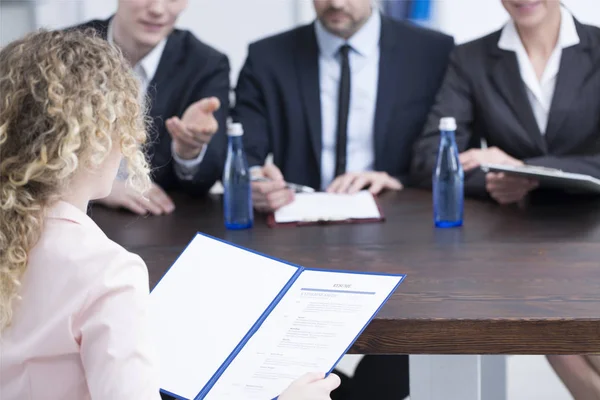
79 329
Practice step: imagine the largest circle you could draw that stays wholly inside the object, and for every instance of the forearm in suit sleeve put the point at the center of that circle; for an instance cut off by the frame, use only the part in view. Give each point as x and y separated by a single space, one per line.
216 83
251 111
454 99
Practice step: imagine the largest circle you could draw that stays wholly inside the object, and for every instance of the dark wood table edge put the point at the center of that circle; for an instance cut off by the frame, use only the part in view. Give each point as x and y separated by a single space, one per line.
493 336
498 336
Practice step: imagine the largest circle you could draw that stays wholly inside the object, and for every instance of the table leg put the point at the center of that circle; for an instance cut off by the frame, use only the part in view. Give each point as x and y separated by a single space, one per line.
457 377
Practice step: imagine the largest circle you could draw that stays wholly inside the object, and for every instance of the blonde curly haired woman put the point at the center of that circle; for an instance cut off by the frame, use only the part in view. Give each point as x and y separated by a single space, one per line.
73 304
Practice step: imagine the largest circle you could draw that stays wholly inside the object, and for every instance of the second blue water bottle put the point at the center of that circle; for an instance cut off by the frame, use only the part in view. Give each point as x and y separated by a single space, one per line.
448 179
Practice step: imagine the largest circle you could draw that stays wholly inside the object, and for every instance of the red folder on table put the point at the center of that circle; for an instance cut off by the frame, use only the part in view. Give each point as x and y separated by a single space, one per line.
327 208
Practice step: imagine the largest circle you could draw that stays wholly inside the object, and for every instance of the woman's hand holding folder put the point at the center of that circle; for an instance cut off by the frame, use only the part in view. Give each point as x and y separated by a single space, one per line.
313 386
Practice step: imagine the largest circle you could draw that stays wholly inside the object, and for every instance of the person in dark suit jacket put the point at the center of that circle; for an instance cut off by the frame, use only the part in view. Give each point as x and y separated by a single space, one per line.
339 103
531 91
187 86
382 73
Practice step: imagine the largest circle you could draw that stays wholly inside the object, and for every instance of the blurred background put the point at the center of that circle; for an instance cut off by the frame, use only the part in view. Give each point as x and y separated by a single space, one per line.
230 25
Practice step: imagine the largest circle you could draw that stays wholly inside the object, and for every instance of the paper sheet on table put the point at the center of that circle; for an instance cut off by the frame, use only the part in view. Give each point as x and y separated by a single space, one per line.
309 207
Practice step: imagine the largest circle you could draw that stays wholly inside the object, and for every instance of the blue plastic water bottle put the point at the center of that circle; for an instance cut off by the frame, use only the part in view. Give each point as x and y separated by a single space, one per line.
237 198
448 180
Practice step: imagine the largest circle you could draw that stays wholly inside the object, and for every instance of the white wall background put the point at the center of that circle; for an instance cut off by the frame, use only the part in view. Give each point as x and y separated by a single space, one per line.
229 25
469 19
15 20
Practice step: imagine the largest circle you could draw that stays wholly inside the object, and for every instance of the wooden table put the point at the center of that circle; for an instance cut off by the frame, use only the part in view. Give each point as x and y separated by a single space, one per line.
511 281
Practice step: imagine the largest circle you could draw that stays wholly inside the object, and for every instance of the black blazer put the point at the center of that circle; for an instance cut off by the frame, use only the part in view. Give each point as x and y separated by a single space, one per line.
189 70
484 91
278 98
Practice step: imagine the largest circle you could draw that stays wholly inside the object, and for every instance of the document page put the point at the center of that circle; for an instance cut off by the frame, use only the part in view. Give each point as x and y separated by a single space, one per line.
308 331
310 207
205 305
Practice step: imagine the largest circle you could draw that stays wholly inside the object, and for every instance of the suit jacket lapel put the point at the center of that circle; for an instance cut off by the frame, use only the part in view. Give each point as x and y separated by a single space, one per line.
173 54
307 63
506 76
576 65
391 69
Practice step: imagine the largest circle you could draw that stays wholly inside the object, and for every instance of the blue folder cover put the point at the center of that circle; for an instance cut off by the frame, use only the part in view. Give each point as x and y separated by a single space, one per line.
206 389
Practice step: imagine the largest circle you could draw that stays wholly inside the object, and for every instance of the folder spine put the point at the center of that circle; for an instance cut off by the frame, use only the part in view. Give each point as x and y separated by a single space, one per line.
213 380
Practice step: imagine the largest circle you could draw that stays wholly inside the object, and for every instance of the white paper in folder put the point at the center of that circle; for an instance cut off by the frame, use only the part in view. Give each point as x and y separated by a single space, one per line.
228 323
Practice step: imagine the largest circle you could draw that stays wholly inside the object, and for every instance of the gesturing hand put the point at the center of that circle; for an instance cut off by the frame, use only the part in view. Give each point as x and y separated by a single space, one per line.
195 129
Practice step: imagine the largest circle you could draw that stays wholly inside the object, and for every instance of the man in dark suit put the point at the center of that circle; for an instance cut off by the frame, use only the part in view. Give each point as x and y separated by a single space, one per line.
531 91
338 102
187 86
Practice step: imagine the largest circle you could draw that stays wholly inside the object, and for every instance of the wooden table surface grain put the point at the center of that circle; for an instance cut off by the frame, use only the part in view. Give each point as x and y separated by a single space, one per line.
511 281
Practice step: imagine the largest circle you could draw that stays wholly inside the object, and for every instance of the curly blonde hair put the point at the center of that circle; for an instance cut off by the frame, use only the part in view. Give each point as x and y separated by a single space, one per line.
65 98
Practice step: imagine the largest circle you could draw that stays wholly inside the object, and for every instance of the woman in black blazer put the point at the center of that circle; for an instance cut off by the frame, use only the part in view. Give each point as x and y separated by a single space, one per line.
531 90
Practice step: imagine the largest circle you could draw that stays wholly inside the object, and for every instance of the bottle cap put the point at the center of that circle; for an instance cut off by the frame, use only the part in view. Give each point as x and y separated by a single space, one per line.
234 128
447 124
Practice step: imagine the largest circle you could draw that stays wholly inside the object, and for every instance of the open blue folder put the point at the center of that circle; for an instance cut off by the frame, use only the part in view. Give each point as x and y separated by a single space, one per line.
230 323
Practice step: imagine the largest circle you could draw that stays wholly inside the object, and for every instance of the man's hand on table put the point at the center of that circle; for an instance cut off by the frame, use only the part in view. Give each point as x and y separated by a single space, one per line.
155 201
